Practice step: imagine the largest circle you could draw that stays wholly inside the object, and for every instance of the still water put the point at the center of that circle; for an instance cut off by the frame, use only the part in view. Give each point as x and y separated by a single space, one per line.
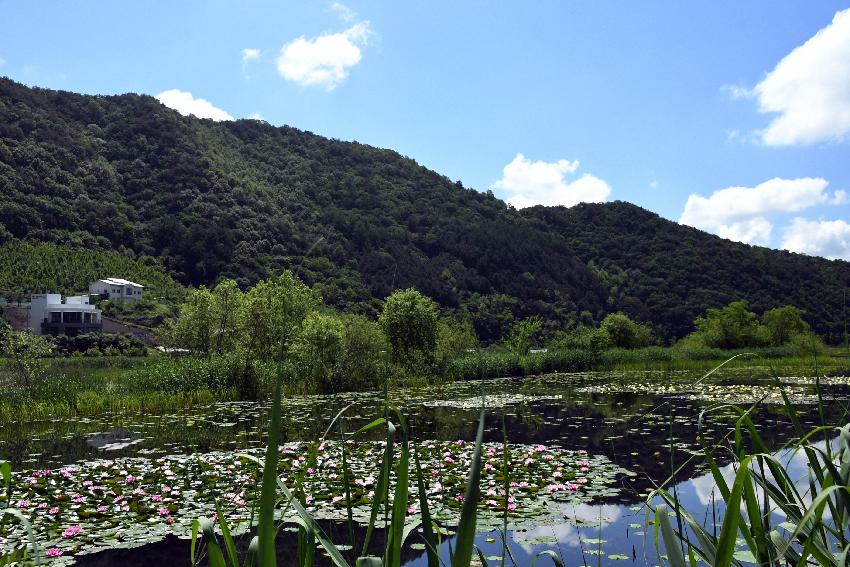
646 423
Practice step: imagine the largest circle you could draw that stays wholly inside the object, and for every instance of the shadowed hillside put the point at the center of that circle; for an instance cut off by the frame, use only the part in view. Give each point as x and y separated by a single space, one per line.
244 199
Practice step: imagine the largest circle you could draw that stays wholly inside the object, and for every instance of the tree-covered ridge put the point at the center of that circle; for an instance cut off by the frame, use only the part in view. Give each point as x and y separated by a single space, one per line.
30 268
668 274
246 200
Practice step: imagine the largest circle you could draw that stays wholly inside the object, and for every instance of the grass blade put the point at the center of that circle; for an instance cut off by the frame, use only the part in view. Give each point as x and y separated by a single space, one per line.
214 556
229 545
194 541
399 509
266 531
381 488
427 527
466 528
729 528
671 542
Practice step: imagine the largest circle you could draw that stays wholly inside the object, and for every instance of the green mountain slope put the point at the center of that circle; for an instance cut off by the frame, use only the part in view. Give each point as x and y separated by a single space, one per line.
244 199
30 268
666 273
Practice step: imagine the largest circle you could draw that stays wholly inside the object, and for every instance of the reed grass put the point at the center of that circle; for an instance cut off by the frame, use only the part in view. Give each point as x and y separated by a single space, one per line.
816 525
220 549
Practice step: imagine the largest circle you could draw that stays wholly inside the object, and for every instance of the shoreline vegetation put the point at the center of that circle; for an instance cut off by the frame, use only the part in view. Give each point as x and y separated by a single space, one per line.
94 386
225 344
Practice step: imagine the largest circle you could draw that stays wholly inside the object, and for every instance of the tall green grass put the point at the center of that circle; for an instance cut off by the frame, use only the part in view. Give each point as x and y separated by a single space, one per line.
484 365
221 551
816 525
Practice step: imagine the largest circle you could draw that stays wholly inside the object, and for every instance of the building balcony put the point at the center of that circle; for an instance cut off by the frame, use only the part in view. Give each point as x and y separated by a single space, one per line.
70 329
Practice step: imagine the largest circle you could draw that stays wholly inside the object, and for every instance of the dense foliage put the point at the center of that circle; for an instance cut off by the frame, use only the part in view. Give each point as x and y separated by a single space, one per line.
667 274
735 327
99 344
245 200
55 268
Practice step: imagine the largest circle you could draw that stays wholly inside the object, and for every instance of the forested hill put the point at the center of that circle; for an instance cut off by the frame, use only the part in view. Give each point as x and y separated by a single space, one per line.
244 199
667 273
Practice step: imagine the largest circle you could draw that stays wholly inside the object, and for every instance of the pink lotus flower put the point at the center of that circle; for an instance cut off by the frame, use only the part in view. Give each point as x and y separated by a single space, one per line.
72 531
488 467
24 504
156 498
53 511
130 479
512 506
163 511
169 520
54 552
572 487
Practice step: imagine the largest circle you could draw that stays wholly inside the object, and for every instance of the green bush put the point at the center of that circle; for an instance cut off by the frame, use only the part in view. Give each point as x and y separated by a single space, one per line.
100 344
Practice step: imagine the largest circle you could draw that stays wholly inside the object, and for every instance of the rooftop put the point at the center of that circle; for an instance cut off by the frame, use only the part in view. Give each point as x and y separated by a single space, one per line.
119 281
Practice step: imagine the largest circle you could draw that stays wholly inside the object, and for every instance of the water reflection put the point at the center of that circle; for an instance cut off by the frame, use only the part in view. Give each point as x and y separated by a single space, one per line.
652 430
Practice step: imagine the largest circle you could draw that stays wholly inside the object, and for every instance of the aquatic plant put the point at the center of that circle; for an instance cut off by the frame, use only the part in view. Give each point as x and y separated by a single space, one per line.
816 517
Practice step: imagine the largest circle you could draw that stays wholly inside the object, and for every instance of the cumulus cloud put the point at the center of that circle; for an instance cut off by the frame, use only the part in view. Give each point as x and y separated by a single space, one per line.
809 89
827 238
527 183
740 213
323 61
184 103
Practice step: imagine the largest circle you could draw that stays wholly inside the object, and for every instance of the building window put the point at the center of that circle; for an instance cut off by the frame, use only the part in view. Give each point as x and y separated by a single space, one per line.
55 317
73 317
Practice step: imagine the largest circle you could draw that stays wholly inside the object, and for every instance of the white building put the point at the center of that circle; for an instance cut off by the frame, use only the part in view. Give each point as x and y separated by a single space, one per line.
116 288
50 316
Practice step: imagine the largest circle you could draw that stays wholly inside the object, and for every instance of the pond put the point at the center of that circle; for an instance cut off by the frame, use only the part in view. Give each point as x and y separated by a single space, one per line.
586 450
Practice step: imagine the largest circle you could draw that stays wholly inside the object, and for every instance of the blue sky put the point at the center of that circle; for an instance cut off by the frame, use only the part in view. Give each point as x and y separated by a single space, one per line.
664 104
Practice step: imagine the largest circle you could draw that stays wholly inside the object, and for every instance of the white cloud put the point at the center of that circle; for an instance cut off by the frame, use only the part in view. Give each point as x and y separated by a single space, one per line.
830 239
250 54
527 183
343 12
739 213
323 61
184 103
256 116
810 89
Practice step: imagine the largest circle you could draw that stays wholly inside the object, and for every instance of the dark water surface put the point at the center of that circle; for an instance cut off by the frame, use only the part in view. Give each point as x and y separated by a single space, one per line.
645 422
